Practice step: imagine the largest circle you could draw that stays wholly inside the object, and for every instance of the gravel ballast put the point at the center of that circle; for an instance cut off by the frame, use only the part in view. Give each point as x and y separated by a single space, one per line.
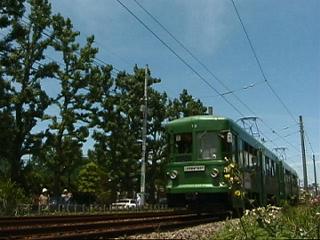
203 231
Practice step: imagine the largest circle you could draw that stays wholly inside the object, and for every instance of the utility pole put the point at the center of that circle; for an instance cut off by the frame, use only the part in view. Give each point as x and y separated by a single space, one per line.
144 139
315 173
303 150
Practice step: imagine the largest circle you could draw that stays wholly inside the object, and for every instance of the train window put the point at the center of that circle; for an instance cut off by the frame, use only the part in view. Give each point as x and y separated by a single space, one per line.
250 155
267 166
241 153
183 143
250 160
246 155
272 168
241 158
235 148
209 145
287 176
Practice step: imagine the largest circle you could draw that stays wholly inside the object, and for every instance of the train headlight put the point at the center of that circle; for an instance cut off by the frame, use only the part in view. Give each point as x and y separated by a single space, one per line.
173 174
214 173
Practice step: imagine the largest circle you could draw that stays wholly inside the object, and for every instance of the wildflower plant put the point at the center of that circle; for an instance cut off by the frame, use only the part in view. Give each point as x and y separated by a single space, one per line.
233 176
301 222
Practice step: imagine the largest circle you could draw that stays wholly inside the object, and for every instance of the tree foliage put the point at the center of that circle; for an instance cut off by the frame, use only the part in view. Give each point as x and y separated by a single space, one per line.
185 106
52 124
23 69
67 133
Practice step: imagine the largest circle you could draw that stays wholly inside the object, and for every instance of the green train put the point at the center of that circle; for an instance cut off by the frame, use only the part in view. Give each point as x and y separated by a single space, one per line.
200 150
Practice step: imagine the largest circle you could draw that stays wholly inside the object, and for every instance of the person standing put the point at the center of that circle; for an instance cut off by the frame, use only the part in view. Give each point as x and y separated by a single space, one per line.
66 198
44 199
139 203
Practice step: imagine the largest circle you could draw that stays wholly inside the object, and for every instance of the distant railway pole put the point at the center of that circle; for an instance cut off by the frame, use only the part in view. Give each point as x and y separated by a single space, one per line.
303 150
144 139
315 173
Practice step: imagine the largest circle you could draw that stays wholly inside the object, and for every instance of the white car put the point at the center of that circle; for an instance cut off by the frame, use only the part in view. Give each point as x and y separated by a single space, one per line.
126 203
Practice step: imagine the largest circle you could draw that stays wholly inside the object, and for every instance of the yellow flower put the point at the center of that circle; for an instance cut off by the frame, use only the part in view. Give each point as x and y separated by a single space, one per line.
227 176
236 179
237 193
231 165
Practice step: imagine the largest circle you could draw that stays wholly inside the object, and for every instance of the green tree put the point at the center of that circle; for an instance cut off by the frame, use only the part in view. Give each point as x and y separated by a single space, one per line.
41 170
116 147
89 181
68 131
185 106
156 147
23 69
119 131
10 13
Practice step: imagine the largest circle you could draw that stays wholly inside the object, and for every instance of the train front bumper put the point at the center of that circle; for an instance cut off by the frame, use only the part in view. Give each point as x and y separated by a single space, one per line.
199 188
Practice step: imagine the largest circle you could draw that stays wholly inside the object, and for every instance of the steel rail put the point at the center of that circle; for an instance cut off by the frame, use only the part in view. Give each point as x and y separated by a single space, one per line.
29 220
108 228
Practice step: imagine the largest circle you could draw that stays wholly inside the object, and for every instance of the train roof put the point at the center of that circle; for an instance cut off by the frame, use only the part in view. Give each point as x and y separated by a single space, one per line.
204 122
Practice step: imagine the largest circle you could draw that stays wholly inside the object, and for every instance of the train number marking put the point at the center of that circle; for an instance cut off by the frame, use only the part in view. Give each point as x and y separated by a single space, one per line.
199 168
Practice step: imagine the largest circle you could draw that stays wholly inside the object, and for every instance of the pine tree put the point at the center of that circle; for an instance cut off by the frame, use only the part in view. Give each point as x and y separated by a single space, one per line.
69 130
23 68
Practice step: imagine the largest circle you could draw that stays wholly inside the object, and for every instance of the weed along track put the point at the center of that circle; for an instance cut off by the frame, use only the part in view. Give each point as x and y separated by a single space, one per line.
97 226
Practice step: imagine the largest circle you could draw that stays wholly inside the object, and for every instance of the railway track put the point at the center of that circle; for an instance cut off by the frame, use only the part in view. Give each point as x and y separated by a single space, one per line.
96 226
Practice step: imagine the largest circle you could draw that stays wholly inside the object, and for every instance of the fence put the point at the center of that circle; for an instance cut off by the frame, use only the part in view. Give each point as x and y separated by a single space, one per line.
29 209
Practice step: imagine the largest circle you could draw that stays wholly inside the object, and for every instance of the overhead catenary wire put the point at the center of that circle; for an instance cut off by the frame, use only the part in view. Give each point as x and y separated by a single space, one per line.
288 135
191 54
97 61
179 57
205 67
218 92
229 91
260 65
236 90
47 33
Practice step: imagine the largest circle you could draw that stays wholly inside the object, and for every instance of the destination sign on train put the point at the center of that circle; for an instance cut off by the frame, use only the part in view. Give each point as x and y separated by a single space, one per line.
194 168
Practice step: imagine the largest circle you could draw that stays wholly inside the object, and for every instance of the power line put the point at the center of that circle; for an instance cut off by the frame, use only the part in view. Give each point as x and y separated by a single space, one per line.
96 60
202 64
236 90
260 66
307 137
192 55
261 69
179 57
222 95
259 63
288 135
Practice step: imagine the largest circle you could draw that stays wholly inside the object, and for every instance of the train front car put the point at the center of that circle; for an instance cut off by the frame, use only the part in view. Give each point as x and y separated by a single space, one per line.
199 146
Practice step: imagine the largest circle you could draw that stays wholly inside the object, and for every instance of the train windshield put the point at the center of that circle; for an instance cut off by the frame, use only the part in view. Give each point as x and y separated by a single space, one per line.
183 147
209 145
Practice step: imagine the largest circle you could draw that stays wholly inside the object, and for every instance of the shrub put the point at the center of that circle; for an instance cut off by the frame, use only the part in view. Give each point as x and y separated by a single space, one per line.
10 197
302 222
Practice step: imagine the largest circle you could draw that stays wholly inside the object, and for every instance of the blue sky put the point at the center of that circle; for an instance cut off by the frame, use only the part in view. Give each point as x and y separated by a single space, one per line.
285 35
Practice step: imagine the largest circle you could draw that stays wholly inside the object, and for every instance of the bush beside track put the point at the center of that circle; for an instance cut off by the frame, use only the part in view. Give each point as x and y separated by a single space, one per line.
288 222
